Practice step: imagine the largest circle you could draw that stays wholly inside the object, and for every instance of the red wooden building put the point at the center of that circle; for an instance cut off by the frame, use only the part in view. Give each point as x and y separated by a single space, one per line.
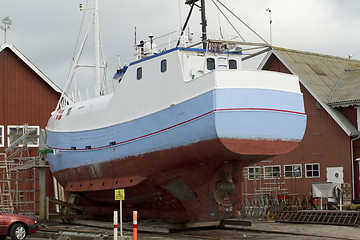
331 147
27 96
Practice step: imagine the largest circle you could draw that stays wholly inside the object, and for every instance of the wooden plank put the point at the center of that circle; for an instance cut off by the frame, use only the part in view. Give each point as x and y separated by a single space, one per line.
235 222
13 155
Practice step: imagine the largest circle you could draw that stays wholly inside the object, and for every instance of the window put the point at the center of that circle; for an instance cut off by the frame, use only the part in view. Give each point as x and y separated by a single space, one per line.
293 171
312 170
2 139
254 173
232 64
15 132
163 65
272 172
210 64
139 73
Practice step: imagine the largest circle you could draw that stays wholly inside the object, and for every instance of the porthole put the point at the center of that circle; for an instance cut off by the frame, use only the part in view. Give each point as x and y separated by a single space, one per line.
164 65
139 73
232 64
210 63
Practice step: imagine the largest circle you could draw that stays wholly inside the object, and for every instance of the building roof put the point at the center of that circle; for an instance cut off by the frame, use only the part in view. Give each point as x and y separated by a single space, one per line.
333 81
346 91
31 65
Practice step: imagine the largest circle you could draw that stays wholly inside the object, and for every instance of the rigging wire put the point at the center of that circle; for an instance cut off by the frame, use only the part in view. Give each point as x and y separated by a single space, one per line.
186 22
227 19
220 30
180 15
81 27
241 21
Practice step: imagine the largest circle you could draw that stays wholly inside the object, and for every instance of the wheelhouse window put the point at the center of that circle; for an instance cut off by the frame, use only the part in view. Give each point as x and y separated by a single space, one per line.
2 139
210 63
139 73
164 65
272 172
232 64
254 173
292 171
312 170
15 132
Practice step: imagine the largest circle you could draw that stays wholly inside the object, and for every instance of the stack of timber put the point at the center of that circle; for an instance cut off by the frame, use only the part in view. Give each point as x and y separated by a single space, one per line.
68 208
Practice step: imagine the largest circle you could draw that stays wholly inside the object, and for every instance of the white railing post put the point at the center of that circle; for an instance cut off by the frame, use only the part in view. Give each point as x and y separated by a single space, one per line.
115 225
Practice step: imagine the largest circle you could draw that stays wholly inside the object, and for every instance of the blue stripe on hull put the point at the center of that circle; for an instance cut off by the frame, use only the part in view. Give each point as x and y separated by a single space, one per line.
225 113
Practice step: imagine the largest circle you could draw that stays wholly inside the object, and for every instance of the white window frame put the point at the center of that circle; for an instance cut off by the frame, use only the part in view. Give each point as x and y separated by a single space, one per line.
312 171
2 137
270 176
256 174
21 126
292 171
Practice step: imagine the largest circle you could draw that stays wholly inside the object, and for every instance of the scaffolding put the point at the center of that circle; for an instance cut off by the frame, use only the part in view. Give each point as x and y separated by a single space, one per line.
18 173
266 188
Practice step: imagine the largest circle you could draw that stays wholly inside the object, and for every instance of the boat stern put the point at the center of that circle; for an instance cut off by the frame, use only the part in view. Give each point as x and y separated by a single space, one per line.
259 112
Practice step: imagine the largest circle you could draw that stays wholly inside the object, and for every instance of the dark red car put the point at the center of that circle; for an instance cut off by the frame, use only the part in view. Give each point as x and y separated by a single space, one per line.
16 226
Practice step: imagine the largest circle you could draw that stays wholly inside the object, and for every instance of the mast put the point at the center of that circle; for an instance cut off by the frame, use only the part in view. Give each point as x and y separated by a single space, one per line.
203 23
203 19
97 50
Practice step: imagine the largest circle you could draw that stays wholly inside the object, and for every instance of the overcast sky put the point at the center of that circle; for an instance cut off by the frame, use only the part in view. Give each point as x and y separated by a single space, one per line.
45 31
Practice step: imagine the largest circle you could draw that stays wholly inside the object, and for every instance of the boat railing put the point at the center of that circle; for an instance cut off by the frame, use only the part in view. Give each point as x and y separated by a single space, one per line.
155 45
83 94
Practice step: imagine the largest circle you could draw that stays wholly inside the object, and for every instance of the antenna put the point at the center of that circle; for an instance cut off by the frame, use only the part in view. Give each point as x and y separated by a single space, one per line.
269 10
6 26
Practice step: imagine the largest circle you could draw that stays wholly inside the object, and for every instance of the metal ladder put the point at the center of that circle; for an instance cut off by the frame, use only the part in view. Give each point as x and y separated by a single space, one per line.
17 173
345 218
222 62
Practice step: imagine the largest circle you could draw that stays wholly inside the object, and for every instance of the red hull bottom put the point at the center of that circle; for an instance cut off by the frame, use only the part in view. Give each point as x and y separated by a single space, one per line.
199 182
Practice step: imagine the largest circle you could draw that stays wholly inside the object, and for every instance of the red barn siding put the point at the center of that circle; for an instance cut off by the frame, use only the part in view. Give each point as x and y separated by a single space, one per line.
27 97
350 113
324 142
24 98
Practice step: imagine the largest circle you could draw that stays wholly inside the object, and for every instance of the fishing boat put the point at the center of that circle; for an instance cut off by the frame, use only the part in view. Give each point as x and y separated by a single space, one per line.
178 129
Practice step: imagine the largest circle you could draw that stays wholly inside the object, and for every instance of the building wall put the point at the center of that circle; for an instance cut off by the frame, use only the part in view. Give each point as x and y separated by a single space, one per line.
324 142
24 98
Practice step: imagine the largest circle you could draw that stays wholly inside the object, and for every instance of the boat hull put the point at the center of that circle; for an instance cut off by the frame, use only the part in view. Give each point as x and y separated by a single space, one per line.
183 190
187 147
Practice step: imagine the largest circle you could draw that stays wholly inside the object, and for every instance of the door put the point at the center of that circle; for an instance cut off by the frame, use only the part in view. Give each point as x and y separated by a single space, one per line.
335 174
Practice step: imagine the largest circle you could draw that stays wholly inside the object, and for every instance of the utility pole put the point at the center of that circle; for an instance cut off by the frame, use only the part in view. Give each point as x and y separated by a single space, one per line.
269 10
6 26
